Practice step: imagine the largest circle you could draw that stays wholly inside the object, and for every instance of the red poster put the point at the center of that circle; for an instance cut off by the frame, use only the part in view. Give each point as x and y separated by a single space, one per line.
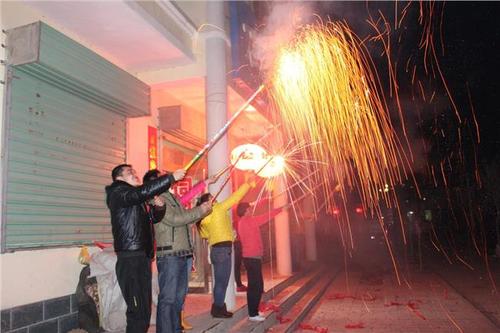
152 148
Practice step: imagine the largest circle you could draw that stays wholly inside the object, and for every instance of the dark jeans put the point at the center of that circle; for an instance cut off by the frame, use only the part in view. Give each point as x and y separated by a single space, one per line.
221 261
189 266
255 284
237 263
133 272
172 278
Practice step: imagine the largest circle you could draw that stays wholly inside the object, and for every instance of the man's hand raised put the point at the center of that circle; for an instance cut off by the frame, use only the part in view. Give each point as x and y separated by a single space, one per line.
212 179
179 174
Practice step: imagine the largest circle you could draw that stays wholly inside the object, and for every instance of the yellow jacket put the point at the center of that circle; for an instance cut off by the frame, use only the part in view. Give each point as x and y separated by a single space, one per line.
217 227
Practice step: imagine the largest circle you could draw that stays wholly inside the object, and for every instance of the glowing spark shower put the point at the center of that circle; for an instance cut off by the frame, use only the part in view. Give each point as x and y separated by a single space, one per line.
325 90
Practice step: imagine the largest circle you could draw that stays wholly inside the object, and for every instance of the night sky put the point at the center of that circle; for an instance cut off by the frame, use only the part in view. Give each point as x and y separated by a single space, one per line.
471 35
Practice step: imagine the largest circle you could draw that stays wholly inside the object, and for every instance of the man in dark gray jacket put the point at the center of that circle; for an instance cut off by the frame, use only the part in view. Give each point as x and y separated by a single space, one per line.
173 247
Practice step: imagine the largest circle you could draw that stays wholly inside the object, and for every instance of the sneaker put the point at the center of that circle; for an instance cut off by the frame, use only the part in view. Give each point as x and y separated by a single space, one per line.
241 288
257 318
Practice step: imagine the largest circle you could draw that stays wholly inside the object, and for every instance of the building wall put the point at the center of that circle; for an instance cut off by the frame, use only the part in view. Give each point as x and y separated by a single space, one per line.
192 119
137 143
30 276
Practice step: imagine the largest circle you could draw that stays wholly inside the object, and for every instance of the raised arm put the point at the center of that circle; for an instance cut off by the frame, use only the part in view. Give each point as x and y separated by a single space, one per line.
261 203
236 196
264 218
131 196
177 217
193 192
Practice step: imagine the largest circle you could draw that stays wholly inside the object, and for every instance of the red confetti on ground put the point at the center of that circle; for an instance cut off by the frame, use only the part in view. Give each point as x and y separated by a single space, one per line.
418 314
310 327
354 326
306 326
414 308
263 307
365 297
369 298
283 320
340 296
412 305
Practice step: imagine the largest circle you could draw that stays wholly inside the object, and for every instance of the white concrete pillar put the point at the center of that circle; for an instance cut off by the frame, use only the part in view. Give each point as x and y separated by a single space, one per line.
216 109
282 230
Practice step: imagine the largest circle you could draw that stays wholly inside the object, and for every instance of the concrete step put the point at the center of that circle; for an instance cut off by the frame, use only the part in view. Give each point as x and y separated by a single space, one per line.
291 320
282 303
206 323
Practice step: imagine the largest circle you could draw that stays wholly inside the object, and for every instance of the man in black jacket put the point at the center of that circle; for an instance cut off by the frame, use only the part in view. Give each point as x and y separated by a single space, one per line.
131 222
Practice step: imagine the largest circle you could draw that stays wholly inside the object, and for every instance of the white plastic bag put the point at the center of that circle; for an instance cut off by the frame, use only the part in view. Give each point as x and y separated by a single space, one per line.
111 303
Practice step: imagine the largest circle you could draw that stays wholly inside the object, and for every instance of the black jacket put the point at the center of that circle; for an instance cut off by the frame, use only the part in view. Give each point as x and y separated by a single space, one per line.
130 220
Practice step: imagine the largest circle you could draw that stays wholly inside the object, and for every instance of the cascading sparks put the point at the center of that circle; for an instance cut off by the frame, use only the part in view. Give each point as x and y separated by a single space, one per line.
326 91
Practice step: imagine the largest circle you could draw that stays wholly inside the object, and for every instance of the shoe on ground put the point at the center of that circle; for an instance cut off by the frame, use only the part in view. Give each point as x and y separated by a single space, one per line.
241 288
257 318
227 314
184 324
220 312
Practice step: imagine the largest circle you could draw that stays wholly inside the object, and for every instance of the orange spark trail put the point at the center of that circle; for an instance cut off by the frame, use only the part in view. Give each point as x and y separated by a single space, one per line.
325 89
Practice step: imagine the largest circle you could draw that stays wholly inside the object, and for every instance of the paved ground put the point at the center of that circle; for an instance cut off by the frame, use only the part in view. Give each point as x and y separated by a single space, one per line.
476 280
434 295
375 303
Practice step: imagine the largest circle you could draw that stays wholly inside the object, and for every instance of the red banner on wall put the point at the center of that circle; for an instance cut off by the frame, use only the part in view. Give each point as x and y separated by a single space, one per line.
152 148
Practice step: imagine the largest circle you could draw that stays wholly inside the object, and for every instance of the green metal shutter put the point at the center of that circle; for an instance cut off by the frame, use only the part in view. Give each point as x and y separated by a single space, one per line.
65 131
61 151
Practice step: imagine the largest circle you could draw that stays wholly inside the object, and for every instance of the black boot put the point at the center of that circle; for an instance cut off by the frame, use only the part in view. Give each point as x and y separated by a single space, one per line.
228 314
218 312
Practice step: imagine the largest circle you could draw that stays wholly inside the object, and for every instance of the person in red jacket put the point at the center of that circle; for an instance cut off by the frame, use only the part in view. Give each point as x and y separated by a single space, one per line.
252 252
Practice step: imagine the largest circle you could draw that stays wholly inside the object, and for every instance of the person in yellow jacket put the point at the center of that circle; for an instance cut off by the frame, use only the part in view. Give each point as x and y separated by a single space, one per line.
218 229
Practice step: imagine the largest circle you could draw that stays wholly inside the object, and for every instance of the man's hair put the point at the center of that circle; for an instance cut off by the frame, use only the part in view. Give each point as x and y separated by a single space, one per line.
242 208
117 170
150 175
203 198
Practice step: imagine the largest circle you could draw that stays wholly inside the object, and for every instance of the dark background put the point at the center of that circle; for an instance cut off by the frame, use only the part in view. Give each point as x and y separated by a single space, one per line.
466 39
